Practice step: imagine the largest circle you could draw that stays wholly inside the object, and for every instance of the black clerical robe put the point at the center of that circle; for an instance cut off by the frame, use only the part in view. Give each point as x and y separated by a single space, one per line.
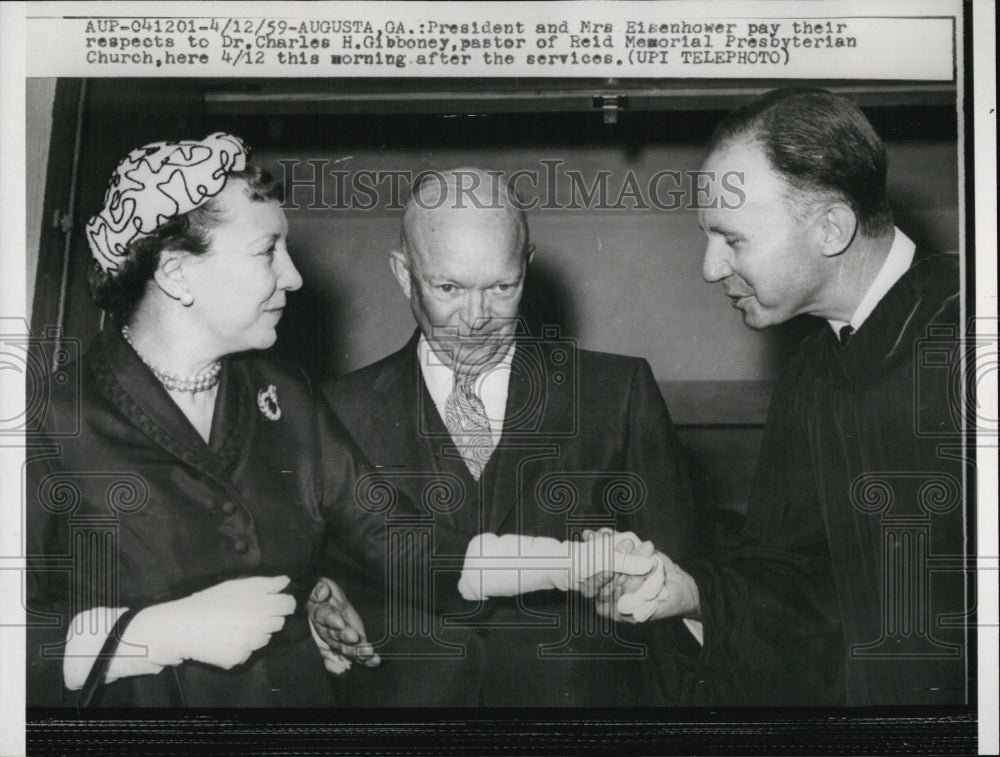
848 587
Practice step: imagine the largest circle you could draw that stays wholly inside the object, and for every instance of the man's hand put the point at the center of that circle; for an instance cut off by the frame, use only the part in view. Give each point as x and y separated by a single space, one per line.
666 592
338 629
677 597
613 586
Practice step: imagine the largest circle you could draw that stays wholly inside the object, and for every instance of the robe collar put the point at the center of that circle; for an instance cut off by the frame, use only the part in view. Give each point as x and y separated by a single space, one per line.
896 263
890 334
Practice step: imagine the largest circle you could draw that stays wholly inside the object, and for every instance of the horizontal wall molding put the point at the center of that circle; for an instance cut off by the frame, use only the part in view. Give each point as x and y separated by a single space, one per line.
465 96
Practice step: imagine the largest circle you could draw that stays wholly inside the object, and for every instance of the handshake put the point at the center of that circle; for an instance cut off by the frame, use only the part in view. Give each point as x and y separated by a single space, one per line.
629 580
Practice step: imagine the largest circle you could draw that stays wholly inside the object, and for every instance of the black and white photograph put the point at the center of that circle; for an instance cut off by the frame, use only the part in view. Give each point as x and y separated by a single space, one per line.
545 378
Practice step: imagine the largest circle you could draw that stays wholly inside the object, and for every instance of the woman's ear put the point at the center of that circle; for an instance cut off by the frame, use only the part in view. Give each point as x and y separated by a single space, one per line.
838 226
170 277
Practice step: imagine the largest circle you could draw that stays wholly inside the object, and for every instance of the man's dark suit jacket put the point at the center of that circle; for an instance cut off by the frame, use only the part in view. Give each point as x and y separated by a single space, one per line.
587 442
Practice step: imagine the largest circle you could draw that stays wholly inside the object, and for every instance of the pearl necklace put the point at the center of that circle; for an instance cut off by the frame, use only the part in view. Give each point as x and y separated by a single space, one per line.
202 381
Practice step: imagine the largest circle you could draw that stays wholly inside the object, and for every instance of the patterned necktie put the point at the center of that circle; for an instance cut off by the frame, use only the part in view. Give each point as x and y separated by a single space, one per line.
467 422
846 333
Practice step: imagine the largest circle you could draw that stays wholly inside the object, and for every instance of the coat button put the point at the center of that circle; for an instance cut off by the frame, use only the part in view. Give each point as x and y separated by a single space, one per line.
228 508
240 546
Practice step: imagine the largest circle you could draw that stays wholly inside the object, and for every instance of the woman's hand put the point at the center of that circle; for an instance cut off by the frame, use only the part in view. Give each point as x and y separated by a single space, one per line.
222 625
338 629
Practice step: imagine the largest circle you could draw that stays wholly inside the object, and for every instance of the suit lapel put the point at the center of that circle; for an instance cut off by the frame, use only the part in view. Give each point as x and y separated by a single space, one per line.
395 416
538 399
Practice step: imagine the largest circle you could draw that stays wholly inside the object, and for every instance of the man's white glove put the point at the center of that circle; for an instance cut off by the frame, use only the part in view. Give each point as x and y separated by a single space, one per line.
505 566
222 625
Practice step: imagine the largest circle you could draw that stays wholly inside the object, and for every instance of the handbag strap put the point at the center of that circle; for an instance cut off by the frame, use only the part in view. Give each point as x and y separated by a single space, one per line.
91 687
100 668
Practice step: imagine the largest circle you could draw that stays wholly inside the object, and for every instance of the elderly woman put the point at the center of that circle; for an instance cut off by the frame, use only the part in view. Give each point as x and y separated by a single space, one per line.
179 504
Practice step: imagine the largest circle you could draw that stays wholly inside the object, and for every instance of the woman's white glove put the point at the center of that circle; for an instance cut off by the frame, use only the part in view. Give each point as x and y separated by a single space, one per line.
222 625
512 564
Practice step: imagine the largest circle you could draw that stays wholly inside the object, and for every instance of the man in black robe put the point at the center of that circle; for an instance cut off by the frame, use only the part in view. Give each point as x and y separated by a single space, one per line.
849 584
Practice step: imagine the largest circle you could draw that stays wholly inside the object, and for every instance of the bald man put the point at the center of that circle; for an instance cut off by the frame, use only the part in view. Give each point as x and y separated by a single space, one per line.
497 431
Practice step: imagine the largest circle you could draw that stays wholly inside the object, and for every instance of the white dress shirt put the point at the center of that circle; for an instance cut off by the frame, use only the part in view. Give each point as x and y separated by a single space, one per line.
896 263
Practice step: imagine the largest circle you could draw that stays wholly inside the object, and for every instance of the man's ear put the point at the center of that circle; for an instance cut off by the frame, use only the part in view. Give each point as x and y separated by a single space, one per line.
400 266
169 276
837 227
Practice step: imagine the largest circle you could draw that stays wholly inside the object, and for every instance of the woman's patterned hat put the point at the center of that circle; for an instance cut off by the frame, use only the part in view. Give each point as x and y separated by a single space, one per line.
156 183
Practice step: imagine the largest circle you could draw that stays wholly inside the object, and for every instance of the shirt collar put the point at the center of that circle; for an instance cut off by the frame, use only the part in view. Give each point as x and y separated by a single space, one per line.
491 388
896 263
